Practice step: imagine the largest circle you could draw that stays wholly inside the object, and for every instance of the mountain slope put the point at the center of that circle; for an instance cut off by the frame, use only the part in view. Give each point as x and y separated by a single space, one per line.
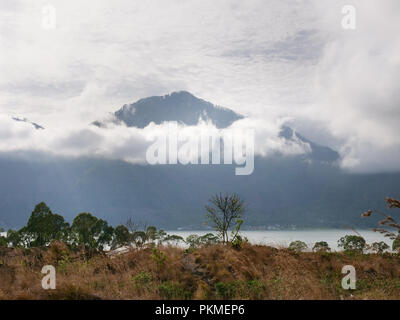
187 109
283 191
178 106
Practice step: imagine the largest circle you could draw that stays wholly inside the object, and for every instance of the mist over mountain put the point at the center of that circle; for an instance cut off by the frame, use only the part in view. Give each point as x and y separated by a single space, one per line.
187 109
179 106
305 190
318 152
35 125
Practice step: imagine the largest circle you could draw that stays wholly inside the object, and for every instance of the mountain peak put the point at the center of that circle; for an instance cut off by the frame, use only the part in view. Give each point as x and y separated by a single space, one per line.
35 125
180 106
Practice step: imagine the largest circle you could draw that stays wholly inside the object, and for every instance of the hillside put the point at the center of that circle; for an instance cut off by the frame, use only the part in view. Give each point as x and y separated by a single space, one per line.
215 272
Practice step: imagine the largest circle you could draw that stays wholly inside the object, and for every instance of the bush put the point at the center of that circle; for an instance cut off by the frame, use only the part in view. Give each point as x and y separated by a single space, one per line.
195 241
142 281
396 244
158 256
225 290
379 247
238 242
321 246
173 290
3 242
297 246
352 243
253 289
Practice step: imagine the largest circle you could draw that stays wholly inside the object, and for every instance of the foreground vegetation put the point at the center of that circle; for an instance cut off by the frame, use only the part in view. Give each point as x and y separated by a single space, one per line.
93 260
208 272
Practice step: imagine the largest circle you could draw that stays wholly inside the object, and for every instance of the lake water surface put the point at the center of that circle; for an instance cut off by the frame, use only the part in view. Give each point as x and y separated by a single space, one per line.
284 237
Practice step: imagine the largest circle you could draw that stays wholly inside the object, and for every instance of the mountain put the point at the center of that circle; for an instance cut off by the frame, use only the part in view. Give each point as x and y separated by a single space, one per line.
187 109
318 152
283 191
35 125
179 106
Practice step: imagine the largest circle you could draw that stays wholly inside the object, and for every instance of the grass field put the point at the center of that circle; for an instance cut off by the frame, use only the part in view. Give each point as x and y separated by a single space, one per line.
212 272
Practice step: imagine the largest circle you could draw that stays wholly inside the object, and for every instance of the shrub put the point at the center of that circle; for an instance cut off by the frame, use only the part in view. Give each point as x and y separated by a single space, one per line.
297 246
253 289
158 256
142 280
173 290
238 242
3 241
225 290
396 244
321 246
379 247
195 241
352 243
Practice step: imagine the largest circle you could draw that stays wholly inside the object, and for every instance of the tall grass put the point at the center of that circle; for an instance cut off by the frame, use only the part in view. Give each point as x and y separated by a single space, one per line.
212 272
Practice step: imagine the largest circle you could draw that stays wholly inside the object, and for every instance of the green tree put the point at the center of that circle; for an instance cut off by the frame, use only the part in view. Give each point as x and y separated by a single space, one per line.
122 237
225 212
379 247
173 238
151 234
3 241
44 226
321 246
14 238
139 238
396 244
298 246
90 231
352 243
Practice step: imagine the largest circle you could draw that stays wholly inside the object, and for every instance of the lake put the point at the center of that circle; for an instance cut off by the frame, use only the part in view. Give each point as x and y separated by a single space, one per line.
283 238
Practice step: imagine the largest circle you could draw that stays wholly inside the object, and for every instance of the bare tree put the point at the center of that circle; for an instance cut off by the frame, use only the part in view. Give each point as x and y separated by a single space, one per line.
132 225
225 212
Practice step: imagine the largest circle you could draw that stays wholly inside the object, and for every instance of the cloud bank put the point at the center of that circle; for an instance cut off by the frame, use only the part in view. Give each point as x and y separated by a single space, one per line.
269 60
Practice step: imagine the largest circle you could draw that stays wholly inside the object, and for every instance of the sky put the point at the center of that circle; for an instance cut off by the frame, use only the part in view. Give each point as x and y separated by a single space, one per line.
275 62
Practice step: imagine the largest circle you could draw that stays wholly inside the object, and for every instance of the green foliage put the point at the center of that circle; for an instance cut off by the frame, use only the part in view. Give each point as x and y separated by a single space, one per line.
174 239
142 278
158 256
321 246
195 241
225 290
379 247
238 242
396 244
142 281
139 238
122 237
173 290
253 289
90 231
352 243
15 238
44 226
3 241
298 246
151 233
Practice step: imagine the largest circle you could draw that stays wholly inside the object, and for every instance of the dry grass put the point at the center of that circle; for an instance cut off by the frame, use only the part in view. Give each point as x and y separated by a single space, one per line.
215 272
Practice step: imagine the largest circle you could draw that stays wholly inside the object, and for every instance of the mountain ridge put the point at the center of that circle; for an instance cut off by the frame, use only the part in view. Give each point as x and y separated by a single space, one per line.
181 106
184 107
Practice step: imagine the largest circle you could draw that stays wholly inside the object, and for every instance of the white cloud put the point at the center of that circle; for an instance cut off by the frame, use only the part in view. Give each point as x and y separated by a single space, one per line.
131 144
266 59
